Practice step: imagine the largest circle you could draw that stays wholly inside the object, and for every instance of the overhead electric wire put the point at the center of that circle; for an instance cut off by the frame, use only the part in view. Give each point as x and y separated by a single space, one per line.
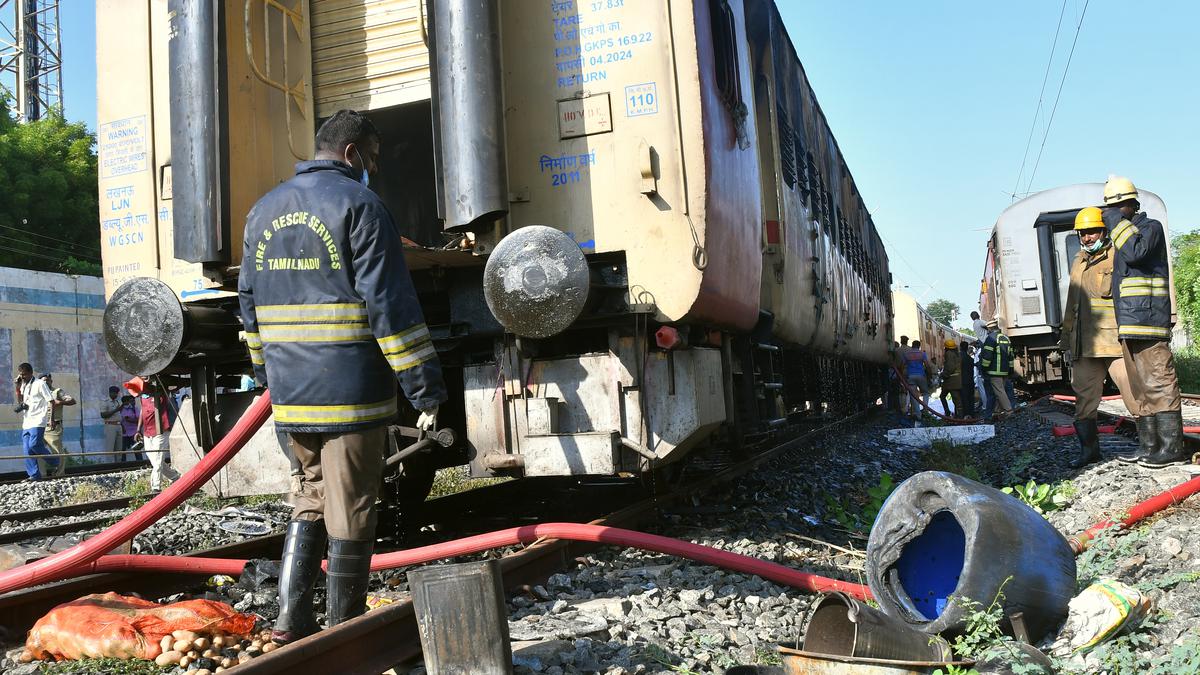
62 257
94 249
1041 96
1057 96
36 255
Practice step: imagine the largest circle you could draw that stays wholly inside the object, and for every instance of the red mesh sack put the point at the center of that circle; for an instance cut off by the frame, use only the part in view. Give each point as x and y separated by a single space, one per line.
120 627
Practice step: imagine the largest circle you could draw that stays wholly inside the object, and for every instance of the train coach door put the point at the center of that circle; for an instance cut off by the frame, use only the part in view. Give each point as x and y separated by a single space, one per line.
1057 246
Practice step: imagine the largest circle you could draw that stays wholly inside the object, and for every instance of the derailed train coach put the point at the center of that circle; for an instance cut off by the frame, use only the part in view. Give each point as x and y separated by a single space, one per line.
1027 271
630 226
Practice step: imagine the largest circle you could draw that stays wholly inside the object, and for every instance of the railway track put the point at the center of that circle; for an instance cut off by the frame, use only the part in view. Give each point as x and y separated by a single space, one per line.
76 471
60 512
388 635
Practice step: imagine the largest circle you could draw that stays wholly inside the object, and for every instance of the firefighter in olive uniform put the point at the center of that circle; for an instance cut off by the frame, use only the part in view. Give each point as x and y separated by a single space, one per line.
332 322
1089 332
951 377
1141 294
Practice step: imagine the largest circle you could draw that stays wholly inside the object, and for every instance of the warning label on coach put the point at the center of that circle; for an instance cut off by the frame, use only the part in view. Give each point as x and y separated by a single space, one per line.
123 146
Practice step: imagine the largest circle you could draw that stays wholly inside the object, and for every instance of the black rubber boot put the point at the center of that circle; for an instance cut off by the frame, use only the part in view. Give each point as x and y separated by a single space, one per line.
349 569
1089 443
301 565
1171 450
1147 430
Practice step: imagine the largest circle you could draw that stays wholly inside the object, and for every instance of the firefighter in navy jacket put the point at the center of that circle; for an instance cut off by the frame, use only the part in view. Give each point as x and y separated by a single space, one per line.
1141 294
332 322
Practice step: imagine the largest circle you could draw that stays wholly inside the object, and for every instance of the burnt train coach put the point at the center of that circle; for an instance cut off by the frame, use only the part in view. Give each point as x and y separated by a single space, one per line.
630 226
1028 268
914 321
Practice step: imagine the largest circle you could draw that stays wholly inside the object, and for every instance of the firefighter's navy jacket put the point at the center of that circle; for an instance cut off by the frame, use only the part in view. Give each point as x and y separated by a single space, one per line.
331 316
997 357
1140 290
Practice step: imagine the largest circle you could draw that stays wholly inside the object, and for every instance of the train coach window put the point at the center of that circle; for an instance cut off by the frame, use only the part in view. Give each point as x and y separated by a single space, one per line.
725 61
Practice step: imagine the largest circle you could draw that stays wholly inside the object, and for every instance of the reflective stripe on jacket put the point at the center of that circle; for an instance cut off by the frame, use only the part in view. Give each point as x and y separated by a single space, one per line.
1089 327
1140 285
996 358
331 317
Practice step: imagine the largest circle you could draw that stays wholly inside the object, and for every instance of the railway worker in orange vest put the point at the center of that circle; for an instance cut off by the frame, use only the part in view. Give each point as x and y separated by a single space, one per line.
1141 294
1089 332
333 324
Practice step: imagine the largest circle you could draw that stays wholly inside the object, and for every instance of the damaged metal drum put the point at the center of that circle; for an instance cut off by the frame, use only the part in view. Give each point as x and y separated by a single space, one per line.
536 281
797 662
842 626
941 537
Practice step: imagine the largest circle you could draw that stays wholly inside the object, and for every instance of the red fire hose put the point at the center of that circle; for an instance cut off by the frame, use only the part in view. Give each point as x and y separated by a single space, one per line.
71 561
1149 507
917 395
517 535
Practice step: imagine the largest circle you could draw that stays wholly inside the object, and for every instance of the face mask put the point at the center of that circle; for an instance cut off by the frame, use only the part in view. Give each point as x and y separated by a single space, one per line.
365 179
1094 246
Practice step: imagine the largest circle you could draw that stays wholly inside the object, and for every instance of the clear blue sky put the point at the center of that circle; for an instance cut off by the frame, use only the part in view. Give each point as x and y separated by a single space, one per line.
932 102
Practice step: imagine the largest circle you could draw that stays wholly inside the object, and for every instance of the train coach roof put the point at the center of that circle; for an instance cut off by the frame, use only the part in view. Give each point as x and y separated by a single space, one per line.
1069 198
778 24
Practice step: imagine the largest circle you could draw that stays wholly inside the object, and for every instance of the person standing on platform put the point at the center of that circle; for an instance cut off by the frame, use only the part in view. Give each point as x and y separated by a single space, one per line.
129 426
1141 292
110 412
154 427
33 399
54 430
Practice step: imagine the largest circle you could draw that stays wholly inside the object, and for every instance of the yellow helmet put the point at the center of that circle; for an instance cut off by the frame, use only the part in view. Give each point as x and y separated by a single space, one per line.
1088 218
951 344
1117 189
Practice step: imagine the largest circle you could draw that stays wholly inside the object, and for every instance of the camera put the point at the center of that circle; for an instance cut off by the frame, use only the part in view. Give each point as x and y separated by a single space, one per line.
20 408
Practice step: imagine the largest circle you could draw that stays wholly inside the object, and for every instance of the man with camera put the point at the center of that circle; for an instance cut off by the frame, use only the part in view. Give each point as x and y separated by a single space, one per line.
33 399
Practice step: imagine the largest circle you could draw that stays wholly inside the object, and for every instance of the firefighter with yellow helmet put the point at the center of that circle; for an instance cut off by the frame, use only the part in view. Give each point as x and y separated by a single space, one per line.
1089 332
951 377
1141 295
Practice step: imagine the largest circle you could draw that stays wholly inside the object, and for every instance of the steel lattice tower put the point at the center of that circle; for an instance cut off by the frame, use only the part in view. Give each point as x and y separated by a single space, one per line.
30 57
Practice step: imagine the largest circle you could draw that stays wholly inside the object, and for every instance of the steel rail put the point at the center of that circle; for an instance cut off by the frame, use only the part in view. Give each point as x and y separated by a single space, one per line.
21 609
54 530
76 471
72 509
385 637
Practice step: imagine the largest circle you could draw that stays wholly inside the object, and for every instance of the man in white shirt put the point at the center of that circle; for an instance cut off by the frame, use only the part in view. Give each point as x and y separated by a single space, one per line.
35 403
978 327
